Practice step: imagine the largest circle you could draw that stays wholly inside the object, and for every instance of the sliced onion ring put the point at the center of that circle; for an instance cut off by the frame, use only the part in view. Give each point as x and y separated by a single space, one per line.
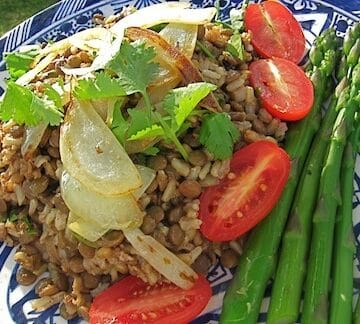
161 259
91 153
111 212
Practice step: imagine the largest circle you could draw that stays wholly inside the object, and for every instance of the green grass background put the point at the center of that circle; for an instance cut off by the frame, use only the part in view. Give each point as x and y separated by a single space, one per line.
14 12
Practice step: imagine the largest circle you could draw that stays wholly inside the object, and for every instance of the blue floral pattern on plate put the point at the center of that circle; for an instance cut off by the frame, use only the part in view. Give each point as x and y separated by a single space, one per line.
70 16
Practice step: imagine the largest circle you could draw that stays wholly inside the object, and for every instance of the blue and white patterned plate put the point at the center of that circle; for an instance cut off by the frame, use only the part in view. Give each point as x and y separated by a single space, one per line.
70 16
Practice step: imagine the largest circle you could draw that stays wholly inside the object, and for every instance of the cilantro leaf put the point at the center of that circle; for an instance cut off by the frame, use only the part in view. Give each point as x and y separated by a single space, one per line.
24 107
53 95
218 134
19 63
103 86
235 46
132 65
152 131
138 120
119 125
180 102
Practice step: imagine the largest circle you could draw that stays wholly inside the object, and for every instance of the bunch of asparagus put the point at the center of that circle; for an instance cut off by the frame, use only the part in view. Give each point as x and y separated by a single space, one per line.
318 189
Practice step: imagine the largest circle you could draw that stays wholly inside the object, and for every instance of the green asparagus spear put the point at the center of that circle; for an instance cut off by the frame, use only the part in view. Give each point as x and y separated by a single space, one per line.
315 307
350 38
351 50
291 269
342 286
287 288
244 296
327 40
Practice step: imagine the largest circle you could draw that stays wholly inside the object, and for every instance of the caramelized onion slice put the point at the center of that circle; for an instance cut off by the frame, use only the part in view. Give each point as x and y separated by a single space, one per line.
110 212
175 58
91 153
181 36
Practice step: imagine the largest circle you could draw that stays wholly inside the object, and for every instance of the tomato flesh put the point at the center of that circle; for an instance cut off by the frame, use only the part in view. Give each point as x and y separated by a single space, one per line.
275 31
258 173
283 88
132 301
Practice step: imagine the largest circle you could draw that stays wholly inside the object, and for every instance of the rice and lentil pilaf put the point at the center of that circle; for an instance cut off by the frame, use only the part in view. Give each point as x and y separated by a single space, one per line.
29 189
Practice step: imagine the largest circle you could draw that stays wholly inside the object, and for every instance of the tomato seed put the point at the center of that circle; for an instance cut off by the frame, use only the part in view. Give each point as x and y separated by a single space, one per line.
239 214
231 176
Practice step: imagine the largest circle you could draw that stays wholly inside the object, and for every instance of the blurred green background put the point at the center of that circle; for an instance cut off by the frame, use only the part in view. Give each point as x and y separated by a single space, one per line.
14 12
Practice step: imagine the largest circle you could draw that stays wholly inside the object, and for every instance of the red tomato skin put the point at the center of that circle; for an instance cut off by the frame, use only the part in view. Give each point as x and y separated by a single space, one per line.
220 222
127 300
290 104
284 38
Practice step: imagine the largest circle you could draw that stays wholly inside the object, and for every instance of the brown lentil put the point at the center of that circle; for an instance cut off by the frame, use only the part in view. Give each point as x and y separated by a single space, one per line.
149 224
174 214
86 251
197 158
202 264
229 258
192 140
85 57
158 162
73 61
112 238
76 264
176 235
90 281
156 212
190 188
25 277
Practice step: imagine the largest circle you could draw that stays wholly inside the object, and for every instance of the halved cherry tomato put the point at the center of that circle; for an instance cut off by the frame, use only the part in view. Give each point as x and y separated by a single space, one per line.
275 31
258 173
132 301
283 87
